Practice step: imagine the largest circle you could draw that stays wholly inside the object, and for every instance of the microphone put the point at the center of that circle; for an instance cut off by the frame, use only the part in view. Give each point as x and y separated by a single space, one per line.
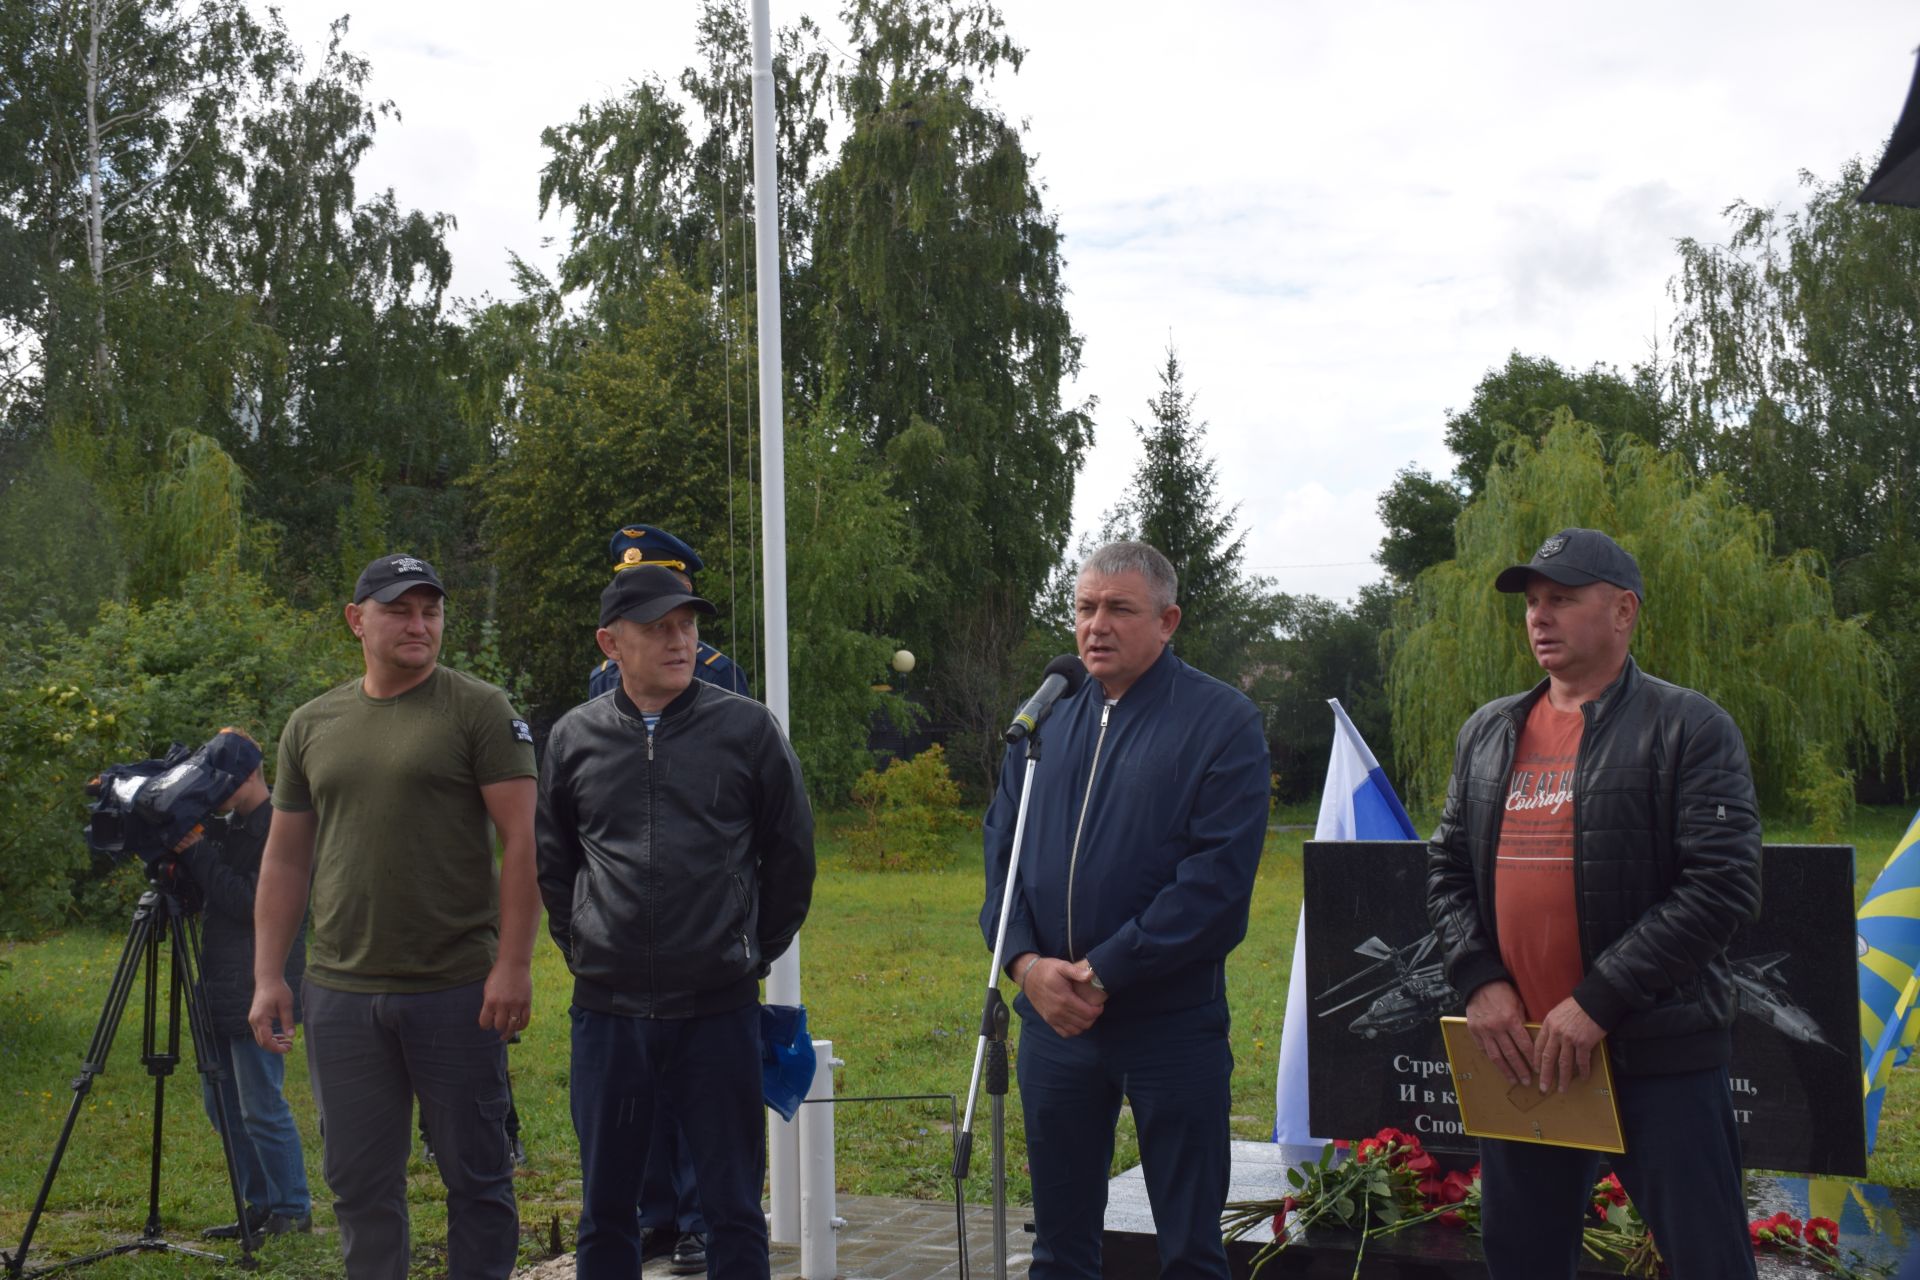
1063 677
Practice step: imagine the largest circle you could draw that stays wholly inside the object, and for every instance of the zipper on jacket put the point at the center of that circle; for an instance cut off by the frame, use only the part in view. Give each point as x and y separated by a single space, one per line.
1073 859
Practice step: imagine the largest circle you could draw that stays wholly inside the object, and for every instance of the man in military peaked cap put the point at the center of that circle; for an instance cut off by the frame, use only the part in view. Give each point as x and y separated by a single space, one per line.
633 545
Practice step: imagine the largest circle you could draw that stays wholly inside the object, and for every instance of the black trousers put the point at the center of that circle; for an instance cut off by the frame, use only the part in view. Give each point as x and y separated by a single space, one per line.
627 1074
1681 1170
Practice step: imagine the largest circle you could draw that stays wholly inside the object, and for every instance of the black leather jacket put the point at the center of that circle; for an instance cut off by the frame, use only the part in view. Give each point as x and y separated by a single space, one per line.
1666 865
676 864
226 864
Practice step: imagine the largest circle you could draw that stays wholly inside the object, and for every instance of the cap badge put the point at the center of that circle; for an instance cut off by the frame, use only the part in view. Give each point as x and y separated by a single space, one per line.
1551 547
632 555
407 564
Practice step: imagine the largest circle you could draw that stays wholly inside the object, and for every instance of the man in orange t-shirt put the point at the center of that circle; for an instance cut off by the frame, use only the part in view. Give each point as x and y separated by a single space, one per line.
1599 846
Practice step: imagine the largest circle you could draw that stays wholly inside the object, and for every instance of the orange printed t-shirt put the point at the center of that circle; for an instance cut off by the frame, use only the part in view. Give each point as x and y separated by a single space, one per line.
1533 907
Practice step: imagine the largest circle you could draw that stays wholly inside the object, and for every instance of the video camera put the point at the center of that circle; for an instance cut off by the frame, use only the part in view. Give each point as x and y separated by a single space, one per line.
146 808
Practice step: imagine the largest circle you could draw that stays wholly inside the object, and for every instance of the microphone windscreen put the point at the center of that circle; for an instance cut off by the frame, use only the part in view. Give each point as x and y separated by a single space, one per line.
1069 667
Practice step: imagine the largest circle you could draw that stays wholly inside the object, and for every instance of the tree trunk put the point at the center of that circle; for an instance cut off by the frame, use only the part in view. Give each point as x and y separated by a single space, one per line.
96 203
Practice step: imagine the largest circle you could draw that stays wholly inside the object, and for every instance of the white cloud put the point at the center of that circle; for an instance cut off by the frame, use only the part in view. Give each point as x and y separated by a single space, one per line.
1344 214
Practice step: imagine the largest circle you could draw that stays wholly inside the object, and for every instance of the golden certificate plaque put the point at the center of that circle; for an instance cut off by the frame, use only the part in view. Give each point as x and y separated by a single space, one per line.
1586 1115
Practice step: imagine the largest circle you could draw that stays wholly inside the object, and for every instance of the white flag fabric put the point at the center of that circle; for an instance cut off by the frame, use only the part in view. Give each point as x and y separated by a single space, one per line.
1358 803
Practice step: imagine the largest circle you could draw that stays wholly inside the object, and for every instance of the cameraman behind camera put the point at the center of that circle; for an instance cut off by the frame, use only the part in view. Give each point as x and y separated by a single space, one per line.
268 1160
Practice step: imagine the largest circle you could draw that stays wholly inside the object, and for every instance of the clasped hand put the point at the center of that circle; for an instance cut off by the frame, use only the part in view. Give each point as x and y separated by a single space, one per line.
1561 1053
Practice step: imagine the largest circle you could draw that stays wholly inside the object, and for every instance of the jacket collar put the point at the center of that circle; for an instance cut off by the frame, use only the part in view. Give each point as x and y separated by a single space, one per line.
684 699
1151 681
1599 709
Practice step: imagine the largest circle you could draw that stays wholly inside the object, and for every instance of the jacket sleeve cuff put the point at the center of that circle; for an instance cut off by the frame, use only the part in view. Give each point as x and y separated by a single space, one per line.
1019 942
1475 971
1599 1001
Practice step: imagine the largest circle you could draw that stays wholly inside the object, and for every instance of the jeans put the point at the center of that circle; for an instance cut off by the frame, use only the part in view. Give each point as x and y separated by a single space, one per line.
268 1162
1681 1169
629 1074
370 1055
1175 1069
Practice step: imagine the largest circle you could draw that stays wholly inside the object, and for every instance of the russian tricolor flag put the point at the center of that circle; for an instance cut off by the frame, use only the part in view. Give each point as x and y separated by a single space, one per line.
1357 804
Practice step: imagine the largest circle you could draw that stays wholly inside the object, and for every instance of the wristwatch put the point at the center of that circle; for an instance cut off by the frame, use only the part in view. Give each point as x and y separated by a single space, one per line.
1094 978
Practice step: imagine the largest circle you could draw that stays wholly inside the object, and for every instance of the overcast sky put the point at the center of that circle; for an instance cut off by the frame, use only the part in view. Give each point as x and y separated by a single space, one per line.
1343 214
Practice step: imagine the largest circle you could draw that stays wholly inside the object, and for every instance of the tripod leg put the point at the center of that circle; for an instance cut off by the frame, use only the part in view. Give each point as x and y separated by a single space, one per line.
186 980
140 935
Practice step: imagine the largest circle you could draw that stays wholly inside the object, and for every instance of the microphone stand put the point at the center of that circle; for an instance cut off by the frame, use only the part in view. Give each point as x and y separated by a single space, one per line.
990 1054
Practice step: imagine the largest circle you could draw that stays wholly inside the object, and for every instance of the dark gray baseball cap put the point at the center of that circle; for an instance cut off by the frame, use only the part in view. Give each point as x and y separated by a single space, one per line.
1573 558
390 577
646 593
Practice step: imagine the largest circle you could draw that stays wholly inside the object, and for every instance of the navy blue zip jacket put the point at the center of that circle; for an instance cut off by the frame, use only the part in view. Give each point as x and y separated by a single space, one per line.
1153 885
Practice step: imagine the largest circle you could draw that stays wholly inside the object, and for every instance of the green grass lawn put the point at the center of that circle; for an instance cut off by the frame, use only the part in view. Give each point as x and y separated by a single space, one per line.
892 970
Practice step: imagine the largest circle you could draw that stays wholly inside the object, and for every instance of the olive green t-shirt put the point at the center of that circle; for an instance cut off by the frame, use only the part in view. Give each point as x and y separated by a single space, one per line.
405 894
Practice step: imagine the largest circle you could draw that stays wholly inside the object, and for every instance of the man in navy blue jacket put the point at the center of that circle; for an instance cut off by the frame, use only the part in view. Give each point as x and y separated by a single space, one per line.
1144 829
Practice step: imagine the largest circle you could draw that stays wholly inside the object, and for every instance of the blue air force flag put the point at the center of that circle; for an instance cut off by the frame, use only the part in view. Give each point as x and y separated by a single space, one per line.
1357 804
1889 948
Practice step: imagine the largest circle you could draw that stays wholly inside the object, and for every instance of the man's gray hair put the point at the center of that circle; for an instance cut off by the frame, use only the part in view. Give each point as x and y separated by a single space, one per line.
1163 584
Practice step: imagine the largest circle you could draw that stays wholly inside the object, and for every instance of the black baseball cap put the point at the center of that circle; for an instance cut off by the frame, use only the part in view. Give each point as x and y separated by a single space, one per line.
646 594
1573 558
390 577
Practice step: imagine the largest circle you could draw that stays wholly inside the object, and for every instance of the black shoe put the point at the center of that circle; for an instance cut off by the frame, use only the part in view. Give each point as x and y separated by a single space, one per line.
257 1218
690 1255
284 1224
657 1242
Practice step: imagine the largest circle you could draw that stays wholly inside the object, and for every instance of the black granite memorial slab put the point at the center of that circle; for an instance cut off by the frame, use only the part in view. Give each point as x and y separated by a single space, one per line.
1376 990
1879 1224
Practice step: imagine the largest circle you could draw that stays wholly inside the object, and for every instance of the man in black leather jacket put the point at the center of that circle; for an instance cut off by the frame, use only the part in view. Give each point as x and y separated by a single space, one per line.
1599 846
675 851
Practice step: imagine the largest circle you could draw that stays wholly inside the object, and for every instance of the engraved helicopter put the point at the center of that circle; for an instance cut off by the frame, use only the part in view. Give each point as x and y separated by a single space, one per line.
1409 991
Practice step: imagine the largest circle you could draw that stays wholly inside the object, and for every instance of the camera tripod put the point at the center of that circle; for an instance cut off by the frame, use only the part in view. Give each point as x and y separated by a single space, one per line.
159 914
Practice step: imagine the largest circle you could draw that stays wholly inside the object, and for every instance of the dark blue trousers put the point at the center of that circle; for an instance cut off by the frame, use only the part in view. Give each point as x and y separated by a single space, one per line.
669 1196
1681 1169
1174 1070
630 1072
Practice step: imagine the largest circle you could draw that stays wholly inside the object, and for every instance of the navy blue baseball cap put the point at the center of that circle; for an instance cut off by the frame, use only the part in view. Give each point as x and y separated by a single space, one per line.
390 577
1573 558
636 544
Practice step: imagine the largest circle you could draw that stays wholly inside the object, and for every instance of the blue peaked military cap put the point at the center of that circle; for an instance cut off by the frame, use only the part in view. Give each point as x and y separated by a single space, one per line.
637 544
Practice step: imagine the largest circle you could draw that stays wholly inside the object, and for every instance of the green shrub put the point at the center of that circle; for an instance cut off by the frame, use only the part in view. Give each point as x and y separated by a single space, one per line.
1822 793
222 651
913 815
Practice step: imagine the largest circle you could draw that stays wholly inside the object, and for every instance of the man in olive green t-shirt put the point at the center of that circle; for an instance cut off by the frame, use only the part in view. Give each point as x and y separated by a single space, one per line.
419 958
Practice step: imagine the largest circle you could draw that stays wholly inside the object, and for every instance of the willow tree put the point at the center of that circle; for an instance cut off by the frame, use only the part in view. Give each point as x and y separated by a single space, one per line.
1755 632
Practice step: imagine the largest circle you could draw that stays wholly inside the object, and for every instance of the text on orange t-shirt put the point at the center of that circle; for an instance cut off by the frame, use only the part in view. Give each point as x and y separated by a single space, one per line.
1533 903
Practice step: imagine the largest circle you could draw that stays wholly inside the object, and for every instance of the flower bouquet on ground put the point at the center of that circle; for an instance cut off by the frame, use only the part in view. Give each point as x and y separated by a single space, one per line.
1815 1241
1391 1183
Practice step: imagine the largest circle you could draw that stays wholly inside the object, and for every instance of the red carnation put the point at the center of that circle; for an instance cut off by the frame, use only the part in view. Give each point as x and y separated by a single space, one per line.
1823 1234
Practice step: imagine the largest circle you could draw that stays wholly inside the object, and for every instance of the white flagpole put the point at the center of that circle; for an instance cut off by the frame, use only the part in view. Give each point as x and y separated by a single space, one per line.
783 984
